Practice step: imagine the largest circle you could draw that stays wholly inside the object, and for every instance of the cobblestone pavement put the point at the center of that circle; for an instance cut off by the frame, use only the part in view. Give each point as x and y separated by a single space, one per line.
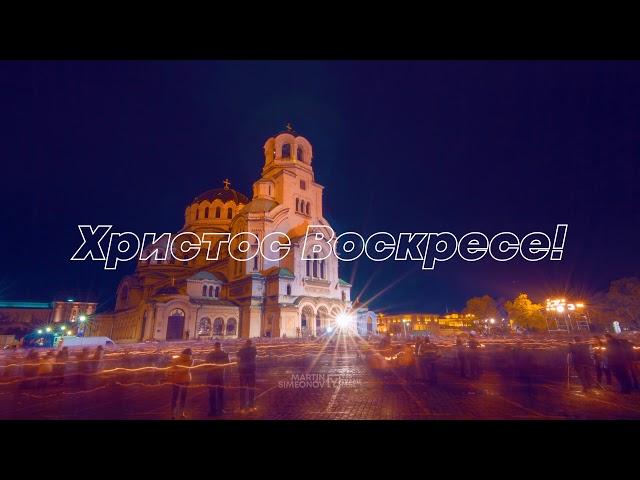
333 384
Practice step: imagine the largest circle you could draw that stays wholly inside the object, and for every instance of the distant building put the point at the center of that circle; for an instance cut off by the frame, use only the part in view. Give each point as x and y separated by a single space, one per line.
20 318
406 324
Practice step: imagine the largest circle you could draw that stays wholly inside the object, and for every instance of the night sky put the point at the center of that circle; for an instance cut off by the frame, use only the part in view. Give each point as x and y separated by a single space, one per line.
399 147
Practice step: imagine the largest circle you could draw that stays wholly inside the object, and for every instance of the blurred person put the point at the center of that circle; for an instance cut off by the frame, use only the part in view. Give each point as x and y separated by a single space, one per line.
13 363
599 354
60 365
216 379
581 360
461 353
84 368
428 355
473 356
629 357
45 369
247 370
407 361
30 368
180 378
618 363
98 359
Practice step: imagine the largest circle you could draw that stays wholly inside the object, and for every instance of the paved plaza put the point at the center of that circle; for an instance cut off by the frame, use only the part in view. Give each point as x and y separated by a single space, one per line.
316 380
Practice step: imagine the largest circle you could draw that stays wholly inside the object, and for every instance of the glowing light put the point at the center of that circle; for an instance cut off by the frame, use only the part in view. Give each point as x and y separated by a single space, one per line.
579 305
329 329
343 320
48 329
492 320
63 328
560 308
40 331
82 318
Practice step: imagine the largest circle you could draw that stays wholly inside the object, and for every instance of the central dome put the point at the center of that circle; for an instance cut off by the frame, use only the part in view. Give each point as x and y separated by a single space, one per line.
224 194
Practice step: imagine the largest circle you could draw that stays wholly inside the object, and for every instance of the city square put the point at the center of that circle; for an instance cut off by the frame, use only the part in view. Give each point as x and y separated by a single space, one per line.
293 240
326 380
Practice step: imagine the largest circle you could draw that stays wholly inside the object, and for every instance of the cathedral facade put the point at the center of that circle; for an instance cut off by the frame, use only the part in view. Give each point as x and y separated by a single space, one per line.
197 298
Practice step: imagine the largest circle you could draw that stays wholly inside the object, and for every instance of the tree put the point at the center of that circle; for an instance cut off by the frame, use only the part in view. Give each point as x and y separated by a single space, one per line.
622 301
525 313
482 307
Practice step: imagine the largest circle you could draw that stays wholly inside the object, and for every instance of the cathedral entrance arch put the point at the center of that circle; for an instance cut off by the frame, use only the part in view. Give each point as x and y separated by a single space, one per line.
322 320
175 325
307 319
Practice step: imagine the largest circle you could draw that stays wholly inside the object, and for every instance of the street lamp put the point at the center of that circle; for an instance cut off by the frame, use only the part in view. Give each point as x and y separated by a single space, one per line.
404 325
81 327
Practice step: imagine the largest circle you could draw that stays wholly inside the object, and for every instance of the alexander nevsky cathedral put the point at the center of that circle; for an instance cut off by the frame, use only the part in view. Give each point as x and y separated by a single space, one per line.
199 298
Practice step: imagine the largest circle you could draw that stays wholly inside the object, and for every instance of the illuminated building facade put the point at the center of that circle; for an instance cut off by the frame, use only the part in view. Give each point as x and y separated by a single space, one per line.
200 298
406 324
23 317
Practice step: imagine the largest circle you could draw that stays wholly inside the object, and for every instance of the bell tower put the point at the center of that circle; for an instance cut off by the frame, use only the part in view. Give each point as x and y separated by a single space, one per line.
287 175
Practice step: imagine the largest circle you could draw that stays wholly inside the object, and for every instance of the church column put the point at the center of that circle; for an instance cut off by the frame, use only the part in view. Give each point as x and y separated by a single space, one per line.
250 321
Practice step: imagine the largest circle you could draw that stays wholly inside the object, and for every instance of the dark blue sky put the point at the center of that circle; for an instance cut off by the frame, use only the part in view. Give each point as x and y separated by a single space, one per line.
399 146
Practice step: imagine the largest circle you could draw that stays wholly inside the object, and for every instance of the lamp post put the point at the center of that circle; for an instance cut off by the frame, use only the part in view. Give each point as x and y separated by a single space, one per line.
82 325
404 324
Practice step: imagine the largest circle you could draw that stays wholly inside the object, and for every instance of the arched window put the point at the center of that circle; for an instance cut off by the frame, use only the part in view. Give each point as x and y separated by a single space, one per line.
218 326
217 293
204 290
300 154
197 213
297 204
321 268
255 262
302 206
204 326
286 150
318 321
344 296
232 324
308 209
211 290
229 213
217 212
206 212
315 265
289 289
308 268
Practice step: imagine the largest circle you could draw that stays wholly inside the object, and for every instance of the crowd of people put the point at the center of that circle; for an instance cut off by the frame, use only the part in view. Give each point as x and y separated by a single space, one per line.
418 359
606 358
216 362
42 369
597 362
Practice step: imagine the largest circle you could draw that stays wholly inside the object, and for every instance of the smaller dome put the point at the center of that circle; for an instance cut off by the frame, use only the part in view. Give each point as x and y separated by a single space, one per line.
204 275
